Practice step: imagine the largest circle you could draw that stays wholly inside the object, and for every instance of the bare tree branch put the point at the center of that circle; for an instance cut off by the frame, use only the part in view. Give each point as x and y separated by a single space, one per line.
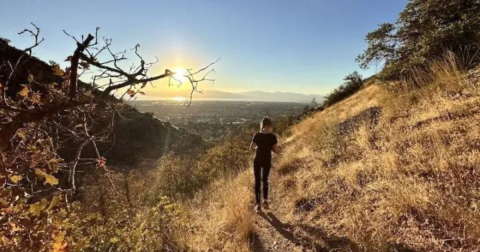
37 42
135 75
74 66
78 116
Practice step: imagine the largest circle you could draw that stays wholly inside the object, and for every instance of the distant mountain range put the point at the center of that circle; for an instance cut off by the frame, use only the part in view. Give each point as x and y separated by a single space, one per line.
261 96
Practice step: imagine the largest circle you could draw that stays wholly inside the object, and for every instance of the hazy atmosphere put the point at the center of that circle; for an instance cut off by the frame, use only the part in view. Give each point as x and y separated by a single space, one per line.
289 46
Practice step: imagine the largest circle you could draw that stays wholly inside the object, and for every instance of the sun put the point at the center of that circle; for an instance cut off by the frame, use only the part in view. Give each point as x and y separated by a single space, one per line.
180 74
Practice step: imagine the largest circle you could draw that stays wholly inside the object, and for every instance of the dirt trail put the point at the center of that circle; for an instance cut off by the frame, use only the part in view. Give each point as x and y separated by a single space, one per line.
273 233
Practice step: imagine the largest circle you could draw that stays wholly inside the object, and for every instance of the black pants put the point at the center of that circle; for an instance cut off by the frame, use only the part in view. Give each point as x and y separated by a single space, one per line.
261 169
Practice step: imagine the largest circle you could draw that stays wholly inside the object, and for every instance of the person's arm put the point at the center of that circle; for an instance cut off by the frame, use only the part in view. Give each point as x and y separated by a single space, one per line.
253 146
276 149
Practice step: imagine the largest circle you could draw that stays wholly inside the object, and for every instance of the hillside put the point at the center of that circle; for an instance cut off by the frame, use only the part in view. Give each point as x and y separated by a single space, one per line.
139 136
392 168
57 170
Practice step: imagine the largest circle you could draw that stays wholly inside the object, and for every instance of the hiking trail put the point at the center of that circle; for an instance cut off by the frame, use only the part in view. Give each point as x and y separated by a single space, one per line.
273 233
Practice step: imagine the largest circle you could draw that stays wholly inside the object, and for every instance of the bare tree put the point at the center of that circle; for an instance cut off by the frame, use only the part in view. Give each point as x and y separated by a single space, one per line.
76 114
134 78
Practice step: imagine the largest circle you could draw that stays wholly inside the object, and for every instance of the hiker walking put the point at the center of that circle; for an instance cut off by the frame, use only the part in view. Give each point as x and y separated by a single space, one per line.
263 143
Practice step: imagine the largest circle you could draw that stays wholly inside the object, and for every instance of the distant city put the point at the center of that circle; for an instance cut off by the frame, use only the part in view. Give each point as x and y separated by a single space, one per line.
217 95
215 119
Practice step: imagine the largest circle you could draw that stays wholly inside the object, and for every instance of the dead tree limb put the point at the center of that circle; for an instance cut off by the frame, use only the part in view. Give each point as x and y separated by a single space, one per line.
73 167
72 93
37 41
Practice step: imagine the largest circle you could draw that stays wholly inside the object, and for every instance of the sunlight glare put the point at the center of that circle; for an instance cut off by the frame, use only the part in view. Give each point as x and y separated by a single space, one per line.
180 74
178 98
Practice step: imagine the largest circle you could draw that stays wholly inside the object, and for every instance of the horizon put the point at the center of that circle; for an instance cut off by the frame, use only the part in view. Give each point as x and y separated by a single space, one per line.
178 96
182 100
281 47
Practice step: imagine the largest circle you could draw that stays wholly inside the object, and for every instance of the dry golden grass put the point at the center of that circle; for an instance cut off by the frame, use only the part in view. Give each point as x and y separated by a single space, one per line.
393 167
408 177
221 216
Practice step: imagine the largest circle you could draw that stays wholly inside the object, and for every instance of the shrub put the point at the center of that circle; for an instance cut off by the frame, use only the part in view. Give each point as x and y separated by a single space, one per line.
5 40
353 83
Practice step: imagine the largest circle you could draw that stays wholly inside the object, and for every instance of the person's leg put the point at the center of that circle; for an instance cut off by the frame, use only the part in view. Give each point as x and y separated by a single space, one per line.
257 172
265 173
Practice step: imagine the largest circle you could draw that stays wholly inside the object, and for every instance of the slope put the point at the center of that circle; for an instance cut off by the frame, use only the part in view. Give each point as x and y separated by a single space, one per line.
386 170
284 228
140 136
393 168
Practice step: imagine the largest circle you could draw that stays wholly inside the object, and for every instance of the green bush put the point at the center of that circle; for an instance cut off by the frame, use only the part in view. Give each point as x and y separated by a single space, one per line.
353 83
181 176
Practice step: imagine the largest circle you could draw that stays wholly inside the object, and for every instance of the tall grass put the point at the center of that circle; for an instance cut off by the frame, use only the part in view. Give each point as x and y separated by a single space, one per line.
188 203
407 177
221 216
392 167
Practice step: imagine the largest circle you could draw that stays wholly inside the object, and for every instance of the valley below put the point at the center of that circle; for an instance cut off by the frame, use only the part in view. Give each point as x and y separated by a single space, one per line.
215 120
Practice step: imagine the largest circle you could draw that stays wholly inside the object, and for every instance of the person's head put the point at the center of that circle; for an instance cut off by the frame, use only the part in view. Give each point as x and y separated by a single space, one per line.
266 124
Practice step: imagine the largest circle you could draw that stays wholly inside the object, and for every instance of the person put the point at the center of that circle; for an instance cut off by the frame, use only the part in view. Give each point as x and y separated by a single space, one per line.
263 143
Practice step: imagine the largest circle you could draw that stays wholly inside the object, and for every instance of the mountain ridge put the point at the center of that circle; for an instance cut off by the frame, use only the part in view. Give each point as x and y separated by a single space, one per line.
265 96
254 95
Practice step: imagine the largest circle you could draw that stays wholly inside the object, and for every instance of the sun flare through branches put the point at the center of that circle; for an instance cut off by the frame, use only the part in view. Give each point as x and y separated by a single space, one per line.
180 74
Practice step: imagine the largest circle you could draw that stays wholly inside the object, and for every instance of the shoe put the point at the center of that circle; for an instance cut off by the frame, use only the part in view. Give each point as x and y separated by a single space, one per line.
258 208
265 205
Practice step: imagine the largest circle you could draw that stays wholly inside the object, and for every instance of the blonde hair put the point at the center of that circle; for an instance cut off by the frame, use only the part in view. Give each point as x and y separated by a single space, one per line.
266 122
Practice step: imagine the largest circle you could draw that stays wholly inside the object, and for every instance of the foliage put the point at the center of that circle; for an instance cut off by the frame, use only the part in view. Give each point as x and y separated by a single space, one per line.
424 31
53 126
116 228
353 83
181 176
4 40
37 185
283 124
36 207
144 210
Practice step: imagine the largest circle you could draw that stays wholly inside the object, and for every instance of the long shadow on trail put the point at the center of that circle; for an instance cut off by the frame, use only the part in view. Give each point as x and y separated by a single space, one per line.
320 241
343 244
257 244
332 242
281 228
286 231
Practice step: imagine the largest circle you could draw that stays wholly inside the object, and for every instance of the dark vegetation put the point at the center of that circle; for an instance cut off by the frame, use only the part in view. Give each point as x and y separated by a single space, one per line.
353 83
425 31
57 132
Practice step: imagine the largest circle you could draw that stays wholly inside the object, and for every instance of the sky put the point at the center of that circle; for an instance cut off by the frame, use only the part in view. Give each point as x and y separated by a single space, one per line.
302 46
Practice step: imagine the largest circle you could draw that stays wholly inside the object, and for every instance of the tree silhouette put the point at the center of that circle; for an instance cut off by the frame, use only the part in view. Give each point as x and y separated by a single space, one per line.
425 30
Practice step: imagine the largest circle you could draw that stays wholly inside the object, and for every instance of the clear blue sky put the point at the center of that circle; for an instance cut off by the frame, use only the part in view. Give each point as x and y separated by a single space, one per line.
270 45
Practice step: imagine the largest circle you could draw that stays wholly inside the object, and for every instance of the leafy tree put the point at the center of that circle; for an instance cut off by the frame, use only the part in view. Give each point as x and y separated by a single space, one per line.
425 30
4 40
353 83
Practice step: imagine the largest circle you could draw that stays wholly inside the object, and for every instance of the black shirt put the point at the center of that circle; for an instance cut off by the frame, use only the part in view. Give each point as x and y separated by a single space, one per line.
265 143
